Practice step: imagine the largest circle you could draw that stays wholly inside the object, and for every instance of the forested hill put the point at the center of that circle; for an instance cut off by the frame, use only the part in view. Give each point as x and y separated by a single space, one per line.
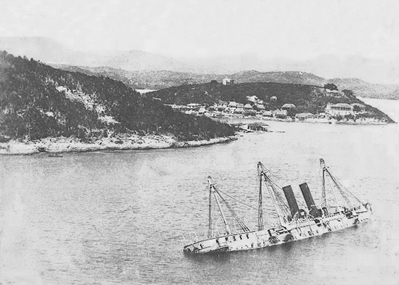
306 98
159 79
38 101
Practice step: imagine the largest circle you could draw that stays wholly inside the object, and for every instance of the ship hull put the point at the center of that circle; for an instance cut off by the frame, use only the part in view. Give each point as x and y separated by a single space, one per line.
288 232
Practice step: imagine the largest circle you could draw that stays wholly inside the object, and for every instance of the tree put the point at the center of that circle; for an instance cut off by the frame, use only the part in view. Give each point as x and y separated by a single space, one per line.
348 93
292 112
330 86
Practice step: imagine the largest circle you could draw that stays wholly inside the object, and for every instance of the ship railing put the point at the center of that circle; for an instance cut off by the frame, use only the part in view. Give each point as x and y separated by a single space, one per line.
193 237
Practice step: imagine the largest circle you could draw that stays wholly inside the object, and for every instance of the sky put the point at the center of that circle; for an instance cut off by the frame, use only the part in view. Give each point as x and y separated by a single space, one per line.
188 28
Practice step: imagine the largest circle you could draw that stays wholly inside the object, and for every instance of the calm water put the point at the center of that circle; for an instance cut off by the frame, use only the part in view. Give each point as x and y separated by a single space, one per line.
118 217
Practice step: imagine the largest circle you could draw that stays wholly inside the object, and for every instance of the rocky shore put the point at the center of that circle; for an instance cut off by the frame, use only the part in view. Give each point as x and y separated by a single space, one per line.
132 142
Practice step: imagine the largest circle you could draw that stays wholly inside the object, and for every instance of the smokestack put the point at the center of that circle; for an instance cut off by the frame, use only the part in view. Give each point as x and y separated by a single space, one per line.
289 195
307 195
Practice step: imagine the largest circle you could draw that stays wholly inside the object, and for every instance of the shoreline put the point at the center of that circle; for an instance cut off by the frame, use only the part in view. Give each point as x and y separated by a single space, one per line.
244 120
61 145
64 145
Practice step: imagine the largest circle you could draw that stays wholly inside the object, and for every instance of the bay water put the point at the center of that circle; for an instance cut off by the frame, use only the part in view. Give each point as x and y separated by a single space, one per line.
121 217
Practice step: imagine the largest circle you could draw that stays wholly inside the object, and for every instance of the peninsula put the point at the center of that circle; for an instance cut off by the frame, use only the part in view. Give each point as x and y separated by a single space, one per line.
270 101
46 109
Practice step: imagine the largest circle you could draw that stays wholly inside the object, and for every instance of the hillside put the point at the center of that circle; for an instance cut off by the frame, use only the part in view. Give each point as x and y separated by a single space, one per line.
368 90
142 79
52 52
140 69
306 98
327 65
291 77
164 79
38 101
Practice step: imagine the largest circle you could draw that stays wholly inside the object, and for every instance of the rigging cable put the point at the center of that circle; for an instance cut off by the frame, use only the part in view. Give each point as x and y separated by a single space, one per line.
235 216
224 193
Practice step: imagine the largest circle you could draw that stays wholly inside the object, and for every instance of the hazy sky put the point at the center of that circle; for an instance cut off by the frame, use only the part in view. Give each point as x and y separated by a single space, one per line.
297 29
293 29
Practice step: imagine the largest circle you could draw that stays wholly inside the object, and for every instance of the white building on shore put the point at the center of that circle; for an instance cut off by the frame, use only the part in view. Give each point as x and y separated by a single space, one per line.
227 81
339 109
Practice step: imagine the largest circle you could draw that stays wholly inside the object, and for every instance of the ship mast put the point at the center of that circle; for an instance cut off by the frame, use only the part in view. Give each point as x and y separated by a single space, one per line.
323 193
260 207
342 190
214 191
339 189
278 204
210 233
222 213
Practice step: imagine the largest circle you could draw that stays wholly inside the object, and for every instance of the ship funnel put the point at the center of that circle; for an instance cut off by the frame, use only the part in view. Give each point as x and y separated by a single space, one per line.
309 201
307 195
289 195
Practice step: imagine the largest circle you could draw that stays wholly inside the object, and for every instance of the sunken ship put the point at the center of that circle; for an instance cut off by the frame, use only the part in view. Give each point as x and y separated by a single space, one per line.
294 223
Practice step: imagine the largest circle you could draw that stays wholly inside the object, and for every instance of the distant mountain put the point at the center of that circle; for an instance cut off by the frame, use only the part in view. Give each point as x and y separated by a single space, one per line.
291 77
155 79
141 69
43 49
139 60
374 70
50 51
365 89
327 65
38 101
164 79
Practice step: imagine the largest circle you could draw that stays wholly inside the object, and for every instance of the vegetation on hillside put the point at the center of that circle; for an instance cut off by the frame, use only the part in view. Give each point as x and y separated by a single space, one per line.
158 79
38 101
306 98
368 90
